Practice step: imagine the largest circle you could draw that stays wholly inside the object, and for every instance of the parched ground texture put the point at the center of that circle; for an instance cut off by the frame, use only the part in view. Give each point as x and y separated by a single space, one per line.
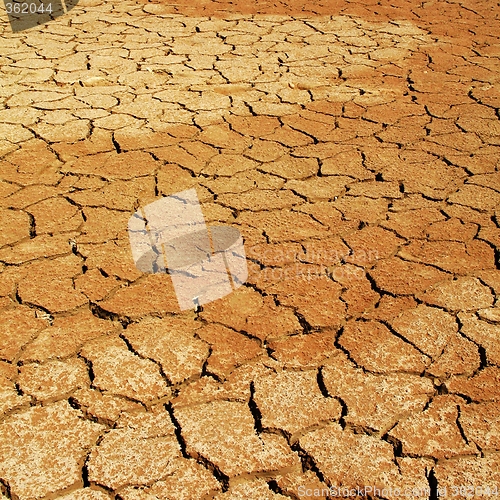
355 145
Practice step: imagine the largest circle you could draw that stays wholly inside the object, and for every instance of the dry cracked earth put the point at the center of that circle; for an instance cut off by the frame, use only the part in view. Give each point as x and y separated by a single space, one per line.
355 145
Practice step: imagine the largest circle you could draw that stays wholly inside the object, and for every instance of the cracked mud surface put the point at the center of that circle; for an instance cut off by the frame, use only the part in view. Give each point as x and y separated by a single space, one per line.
355 146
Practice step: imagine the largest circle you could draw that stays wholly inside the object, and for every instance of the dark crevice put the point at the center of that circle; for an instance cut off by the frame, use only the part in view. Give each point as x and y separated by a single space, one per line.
198 307
374 286
18 298
428 404
319 173
441 389
204 368
460 428
75 251
116 144
402 337
131 348
220 476
101 313
197 312
433 485
273 486
90 368
103 272
307 460
157 189
254 410
18 388
241 332
496 251
32 226
40 312
482 357
395 443
178 430
306 327
85 475
321 383
5 489
270 352
343 413
465 397
362 429
337 344
75 404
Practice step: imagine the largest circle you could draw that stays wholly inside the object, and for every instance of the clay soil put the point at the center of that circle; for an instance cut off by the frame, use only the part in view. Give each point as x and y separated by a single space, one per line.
355 145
